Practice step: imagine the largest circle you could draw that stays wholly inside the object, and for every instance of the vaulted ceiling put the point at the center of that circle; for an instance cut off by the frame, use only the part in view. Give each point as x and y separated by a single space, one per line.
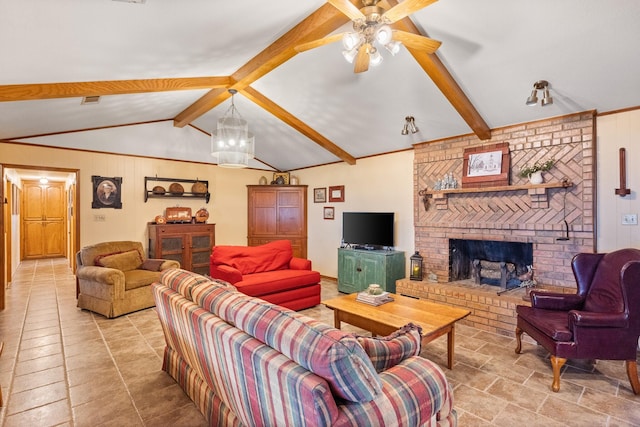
173 62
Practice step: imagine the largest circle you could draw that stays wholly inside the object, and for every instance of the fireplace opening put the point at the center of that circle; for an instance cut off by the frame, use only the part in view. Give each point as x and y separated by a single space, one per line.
497 263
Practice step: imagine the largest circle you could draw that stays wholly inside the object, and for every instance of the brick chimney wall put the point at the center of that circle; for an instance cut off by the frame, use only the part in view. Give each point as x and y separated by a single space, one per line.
529 215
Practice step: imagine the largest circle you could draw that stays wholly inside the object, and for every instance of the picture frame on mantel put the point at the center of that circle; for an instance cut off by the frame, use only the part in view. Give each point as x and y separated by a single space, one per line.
486 166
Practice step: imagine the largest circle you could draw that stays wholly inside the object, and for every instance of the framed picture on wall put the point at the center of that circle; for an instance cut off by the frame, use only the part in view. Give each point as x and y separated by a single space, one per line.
320 195
106 192
328 212
336 193
486 166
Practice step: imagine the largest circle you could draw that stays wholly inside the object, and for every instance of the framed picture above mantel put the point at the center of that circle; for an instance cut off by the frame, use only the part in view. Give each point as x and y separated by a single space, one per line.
486 166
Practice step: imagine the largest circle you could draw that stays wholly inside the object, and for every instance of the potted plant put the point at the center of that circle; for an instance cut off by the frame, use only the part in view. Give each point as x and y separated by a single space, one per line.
534 172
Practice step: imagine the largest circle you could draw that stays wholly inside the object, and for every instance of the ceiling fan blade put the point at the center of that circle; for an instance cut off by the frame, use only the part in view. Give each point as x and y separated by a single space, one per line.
346 7
362 59
406 8
416 41
319 42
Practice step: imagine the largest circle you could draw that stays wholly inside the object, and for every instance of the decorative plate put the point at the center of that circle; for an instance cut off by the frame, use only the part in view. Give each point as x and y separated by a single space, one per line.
158 189
176 189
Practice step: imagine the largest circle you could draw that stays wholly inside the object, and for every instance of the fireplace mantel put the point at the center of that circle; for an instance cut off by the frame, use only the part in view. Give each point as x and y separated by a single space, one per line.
537 190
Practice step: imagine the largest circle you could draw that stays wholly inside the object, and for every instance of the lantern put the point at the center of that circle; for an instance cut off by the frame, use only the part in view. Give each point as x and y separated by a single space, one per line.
416 266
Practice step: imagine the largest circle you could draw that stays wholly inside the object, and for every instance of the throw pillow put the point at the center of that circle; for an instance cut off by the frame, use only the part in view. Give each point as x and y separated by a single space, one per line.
388 351
123 261
152 264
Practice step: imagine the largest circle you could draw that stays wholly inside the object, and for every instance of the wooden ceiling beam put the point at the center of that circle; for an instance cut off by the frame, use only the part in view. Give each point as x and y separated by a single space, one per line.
320 23
279 112
438 72
31 92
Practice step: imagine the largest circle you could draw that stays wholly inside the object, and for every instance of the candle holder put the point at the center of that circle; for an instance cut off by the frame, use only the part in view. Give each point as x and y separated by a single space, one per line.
416 266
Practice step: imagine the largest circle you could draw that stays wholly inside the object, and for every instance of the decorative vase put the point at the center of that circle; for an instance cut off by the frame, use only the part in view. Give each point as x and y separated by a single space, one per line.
536 178
263 180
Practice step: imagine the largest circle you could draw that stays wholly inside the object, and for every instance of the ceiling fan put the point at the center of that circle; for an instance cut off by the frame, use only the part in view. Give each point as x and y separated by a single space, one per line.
371 24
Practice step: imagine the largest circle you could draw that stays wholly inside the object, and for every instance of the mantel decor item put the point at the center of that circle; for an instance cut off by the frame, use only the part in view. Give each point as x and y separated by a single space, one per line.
486 166
534 172
416 266
106 192
336 193
320 195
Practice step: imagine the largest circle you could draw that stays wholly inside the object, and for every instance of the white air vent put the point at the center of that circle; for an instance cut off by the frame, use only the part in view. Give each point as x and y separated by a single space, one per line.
90 99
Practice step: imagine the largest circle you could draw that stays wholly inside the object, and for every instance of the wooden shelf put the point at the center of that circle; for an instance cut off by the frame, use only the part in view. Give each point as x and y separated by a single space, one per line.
535 190
562 184
149 194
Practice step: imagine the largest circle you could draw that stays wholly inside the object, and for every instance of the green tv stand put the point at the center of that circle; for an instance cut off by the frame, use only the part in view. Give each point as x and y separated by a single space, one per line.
358 268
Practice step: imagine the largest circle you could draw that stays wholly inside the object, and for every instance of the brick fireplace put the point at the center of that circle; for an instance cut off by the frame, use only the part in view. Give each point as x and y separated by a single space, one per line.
517 213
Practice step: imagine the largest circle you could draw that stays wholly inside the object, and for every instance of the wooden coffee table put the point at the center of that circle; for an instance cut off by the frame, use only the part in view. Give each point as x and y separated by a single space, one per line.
435 319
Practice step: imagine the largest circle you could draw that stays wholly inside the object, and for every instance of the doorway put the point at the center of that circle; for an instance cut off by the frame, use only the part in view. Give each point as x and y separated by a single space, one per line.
37 211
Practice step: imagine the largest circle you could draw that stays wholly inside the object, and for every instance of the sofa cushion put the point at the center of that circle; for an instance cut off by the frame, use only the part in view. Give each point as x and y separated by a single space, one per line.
552 323
123 261
254 259
330 353
269 282
388 351
134 279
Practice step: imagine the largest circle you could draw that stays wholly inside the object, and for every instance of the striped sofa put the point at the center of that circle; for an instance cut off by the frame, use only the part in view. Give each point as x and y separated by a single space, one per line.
247 362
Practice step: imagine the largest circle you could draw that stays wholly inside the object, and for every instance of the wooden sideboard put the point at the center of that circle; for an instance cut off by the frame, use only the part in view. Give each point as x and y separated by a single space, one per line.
189 244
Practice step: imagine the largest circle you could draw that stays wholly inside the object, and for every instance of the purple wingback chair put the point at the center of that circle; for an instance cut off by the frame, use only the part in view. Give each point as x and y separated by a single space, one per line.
600 321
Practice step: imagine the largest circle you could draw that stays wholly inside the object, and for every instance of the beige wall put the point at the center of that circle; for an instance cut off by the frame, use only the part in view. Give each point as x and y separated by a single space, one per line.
617 131
376 184
227 187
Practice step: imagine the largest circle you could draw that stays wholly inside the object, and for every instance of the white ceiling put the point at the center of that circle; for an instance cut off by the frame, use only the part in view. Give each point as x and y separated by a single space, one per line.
494 49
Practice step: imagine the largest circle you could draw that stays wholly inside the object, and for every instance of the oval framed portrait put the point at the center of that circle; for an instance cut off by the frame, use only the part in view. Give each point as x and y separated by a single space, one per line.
106 192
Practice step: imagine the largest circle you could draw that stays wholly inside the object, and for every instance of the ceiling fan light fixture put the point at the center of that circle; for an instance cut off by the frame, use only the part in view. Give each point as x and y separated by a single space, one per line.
350 55
231 143
384 34
375 58
351 41
393 47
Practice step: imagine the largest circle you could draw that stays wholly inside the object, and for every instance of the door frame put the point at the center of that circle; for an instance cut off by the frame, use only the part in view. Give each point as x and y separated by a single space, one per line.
73 230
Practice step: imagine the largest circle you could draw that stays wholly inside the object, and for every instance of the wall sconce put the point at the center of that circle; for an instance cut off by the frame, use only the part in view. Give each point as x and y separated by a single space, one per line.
409 126
416 266
542 85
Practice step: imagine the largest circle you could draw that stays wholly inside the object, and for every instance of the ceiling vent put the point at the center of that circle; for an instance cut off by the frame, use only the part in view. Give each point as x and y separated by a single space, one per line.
90 100
132 1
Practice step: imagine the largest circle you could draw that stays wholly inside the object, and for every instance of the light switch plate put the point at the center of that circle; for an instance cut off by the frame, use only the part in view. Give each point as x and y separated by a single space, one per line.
630 219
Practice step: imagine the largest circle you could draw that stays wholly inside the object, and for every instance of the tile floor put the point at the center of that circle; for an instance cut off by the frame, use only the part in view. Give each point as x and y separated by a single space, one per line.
63 366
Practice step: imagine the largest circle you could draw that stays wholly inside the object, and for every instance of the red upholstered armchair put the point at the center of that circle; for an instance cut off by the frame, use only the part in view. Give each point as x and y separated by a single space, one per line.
600 321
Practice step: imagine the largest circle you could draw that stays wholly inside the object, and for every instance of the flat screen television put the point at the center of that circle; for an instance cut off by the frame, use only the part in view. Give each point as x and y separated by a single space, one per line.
369 230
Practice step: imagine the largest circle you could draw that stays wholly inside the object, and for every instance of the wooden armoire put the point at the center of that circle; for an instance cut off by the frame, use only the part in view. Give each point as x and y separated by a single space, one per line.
278 212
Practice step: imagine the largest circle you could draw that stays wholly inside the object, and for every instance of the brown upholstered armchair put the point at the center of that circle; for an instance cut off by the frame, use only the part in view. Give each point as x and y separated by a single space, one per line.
114 278
600 321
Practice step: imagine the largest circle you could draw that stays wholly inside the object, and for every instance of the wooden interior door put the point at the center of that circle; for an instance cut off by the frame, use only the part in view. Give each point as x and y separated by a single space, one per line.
43 220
